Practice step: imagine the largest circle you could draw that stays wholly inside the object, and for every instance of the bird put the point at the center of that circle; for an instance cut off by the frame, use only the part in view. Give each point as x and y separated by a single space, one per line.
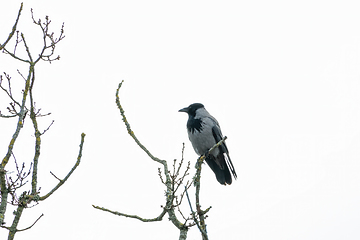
204 132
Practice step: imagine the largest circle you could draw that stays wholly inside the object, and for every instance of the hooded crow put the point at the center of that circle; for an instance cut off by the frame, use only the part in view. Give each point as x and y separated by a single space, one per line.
204 132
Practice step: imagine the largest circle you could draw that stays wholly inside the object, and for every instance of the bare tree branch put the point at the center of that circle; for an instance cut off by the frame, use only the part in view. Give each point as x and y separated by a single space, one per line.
13 28
122 112
62 181
170 181
10 184
48 36
201 213
158 218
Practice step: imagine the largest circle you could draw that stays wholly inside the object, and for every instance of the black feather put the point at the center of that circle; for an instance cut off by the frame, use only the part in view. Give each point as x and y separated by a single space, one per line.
223 150
194 124
223 176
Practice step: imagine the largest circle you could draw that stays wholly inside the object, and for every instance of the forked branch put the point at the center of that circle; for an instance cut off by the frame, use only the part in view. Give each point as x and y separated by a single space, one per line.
170 181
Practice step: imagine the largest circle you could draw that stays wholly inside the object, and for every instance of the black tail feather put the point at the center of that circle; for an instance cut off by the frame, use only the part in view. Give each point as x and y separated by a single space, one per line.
223 176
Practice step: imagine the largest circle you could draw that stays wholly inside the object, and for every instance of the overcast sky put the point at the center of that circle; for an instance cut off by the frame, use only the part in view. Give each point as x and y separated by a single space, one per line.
281 77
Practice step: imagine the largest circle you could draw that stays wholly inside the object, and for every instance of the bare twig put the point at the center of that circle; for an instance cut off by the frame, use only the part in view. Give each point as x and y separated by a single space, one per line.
187 186
17 41
194 213
20 180
48 127
55 176
32 224
161 178
48 36
8 92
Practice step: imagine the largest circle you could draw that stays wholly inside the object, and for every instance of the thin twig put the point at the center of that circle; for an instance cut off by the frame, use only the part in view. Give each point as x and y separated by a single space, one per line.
55 176
48 127
192 212
31 224
8 92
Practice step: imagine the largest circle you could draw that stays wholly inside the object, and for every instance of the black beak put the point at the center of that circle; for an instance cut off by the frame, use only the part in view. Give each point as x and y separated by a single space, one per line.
184 110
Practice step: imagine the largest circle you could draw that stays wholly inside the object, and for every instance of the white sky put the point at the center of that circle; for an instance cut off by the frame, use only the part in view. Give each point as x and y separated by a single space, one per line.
282 78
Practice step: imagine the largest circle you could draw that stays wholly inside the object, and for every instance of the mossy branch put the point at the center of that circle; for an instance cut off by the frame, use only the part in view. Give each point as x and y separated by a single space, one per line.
171 181
13 28
122 112
201 224
62 181
158 218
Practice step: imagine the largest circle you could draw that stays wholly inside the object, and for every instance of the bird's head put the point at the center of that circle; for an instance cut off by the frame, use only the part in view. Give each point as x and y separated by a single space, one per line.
191 110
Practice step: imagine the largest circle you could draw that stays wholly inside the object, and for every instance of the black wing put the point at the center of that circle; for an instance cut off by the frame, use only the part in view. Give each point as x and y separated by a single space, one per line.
223 149
223 175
